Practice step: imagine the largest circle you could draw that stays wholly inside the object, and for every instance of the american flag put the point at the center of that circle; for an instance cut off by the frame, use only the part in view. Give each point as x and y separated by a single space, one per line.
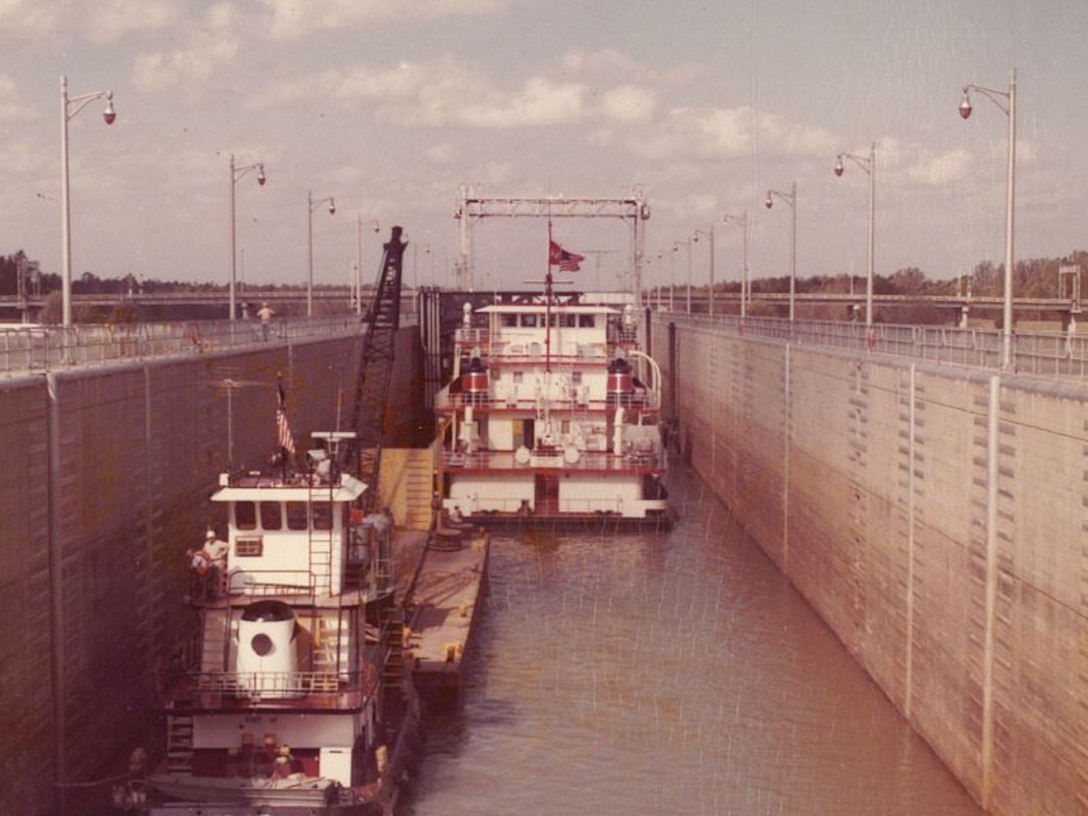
566 261
283 431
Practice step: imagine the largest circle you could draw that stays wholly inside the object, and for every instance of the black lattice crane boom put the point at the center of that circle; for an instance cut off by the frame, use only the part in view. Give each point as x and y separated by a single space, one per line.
375 372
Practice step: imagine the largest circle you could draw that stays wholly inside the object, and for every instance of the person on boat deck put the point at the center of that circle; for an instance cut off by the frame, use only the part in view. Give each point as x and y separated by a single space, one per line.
216 549
281 768
455 515
208 566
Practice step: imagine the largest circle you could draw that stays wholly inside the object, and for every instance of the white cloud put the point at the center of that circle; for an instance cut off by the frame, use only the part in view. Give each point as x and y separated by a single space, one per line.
29 18
13 108
442 153
208 47
704 132
538 102
933 169
293 19
439 93
113 20
102 22
628 103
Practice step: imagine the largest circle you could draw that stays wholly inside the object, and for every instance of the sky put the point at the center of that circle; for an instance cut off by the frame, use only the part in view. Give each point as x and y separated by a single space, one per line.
391 108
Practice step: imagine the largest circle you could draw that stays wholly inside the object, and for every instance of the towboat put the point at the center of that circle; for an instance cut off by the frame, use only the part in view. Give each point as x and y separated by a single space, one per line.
293 698
552 413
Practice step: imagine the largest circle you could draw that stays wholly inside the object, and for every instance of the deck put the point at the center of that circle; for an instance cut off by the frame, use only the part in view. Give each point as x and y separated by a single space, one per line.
443 605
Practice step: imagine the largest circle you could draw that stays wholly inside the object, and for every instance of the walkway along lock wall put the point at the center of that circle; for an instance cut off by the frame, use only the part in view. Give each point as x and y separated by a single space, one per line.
935 517
105 483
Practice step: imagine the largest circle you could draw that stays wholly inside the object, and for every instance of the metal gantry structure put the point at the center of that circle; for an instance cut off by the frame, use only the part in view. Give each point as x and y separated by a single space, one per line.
375 371
470 207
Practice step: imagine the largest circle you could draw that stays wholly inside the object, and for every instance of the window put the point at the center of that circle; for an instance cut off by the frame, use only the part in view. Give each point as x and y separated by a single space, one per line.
586 321
322 516
245 515
249 546
296 516
271 518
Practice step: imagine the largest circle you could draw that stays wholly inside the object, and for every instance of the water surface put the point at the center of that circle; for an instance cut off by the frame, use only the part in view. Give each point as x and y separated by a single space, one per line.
673 672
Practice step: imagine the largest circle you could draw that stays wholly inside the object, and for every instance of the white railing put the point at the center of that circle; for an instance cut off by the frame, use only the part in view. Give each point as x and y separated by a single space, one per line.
47 348
1051 354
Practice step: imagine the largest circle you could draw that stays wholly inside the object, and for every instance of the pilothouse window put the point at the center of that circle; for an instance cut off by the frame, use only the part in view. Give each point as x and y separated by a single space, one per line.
322 516
271 518
245 515
296 516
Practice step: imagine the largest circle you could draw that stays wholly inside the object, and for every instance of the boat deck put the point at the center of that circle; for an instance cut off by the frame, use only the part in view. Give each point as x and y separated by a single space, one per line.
590 462
443 600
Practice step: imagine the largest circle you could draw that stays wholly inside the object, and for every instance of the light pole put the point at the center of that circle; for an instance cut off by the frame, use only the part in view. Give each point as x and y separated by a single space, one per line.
709 235
237 173
311 206
1008 107
742 222
791 199
868 164
69 108
675 247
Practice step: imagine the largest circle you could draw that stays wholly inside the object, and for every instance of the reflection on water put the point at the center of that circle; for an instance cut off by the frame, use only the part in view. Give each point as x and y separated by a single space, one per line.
678 672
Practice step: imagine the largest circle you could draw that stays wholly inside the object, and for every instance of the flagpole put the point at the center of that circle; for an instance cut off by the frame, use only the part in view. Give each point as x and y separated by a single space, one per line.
548 301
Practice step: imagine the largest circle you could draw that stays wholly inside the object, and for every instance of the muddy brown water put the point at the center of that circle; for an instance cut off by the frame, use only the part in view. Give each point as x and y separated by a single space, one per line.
666 673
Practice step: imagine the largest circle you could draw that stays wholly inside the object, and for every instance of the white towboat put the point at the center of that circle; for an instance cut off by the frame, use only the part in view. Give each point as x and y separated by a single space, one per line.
552 413
293 698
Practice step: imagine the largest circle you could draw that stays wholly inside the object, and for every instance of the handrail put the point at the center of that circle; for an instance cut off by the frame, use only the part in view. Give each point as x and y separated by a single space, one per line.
307 689
50 348
1049 354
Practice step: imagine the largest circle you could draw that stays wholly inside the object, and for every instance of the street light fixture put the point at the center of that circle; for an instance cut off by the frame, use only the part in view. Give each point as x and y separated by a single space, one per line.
742 222
695 237
311 206
69 108
237 173
791 199
868 164
1008 107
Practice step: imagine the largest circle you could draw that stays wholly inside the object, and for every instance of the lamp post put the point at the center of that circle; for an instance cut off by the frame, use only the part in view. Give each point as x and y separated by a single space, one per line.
69 108
312 205
237 173
709 235
1008 107
675 247
742 222
868 164
791 199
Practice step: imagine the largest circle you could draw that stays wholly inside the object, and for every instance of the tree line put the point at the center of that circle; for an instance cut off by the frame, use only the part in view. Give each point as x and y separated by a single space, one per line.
1032 278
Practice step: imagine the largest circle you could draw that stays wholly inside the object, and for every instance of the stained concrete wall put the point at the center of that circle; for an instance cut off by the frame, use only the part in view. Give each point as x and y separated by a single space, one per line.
935 518
105 483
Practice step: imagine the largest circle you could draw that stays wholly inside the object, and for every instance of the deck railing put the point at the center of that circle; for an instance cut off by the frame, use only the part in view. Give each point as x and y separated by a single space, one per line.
298 689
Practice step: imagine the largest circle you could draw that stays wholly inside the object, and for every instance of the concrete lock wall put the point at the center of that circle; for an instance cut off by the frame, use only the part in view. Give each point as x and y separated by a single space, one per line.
935 518
105 480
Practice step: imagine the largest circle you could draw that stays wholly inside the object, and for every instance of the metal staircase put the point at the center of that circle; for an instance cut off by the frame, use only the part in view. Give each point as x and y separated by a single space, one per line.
330 658
393 667
213 656
179 744
418 490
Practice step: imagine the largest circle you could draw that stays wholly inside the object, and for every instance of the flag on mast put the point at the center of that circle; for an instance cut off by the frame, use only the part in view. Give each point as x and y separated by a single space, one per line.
566 261
284 439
